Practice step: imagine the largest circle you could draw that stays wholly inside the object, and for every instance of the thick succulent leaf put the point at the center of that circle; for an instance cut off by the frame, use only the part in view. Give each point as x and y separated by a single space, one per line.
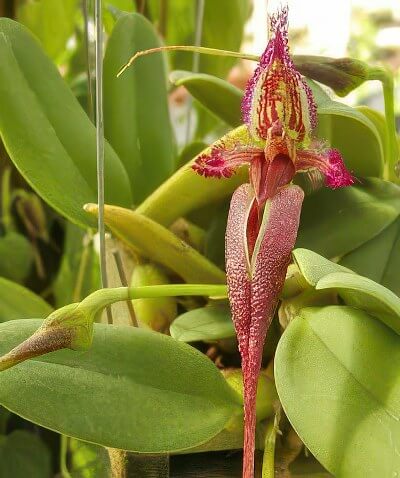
365 294
17 302
336 371
218 96
209 323
314 267
158 243
114 393
132 104
185 190
47 134
16 256
379 258
23 454
333 223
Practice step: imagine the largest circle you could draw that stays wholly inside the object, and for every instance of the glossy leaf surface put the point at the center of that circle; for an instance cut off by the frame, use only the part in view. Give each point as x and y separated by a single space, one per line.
336 372
365 294
134 102
46 132
115 395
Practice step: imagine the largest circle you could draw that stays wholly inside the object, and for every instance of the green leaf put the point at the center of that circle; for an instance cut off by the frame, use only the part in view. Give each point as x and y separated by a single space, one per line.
112 9
336 371
159 244
47 134
114 394
268 466
379 258
186 191
333 223
133 104
366 295
16 256
23 454
208 323
314 267
351 132
52 22
218 96
17 302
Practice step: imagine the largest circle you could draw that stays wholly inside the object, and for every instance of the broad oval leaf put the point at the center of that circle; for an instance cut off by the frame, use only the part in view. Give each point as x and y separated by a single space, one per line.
115 393
333 223
209 323
365 294
134 102
47 134
159 244
336 371
314 267
379 258
17 302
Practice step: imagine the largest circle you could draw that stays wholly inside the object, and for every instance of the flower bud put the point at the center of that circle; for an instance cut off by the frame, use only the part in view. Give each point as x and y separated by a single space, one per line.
343 75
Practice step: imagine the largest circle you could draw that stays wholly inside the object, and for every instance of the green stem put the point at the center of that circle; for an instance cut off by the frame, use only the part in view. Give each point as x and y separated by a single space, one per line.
173 290
386 78
105 297
194 49
63 457
6 200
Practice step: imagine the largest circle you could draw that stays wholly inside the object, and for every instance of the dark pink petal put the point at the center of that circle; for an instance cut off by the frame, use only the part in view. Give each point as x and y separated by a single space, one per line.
238 263
254 283
329 162
222 161
277 92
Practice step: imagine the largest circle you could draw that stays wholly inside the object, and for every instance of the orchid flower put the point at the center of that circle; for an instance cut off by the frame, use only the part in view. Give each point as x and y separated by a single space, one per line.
280 113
